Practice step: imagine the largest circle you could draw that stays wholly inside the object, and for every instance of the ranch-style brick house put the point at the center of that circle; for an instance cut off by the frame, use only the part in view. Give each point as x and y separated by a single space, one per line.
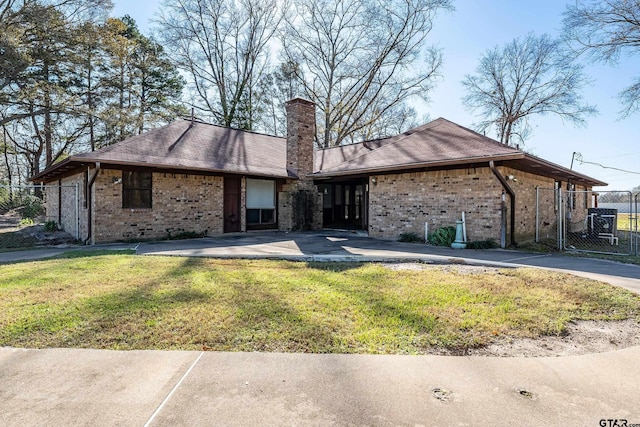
190 177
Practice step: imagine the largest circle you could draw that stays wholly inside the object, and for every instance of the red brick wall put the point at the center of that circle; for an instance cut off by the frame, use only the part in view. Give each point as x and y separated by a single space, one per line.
404 202
181 203
299 203
524 186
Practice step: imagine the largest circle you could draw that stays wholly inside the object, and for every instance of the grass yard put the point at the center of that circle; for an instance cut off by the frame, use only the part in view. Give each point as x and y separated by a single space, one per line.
628 222
122 301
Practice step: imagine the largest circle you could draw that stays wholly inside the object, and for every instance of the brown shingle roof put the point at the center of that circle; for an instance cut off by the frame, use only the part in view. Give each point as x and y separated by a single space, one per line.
194 146
439 142
201 147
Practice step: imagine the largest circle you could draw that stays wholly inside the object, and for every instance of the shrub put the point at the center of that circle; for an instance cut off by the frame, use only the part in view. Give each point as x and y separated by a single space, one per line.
25 222
443 236
482 244
6 201
50 226
32 207
185 235
410 237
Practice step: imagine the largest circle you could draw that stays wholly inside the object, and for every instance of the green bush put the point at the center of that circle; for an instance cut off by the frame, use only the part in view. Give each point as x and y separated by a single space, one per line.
410 237
5 200
32 207
482 244
182 235
25 222
443 236
50 226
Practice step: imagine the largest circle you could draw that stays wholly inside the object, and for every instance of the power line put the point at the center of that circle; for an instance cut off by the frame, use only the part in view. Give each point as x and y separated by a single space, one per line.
578 157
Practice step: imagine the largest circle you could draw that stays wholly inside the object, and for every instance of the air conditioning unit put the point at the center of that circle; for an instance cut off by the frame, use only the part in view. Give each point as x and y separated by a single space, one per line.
602 221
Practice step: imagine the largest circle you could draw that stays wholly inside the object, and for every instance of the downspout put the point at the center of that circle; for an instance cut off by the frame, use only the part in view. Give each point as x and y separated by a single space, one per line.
59 203
512 198
89 202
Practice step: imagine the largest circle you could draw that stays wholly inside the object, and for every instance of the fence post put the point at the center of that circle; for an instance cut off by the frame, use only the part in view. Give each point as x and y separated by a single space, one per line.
637 237
537 214
77 212
503 221
560 220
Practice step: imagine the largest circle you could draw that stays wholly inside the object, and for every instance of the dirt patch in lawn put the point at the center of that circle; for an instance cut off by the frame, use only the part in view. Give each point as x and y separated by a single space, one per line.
580 337
16 236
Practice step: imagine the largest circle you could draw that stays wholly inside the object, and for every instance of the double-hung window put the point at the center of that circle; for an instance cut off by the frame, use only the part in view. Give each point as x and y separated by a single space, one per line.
136 190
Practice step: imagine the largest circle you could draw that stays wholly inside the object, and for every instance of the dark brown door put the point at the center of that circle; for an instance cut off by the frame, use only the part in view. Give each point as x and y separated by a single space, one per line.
231 204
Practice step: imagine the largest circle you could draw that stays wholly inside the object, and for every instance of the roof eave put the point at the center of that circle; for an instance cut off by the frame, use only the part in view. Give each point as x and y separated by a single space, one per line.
555 169
62 168
418 165
106 164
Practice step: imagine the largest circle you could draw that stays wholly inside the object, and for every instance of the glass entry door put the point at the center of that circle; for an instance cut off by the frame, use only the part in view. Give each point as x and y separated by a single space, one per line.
344 204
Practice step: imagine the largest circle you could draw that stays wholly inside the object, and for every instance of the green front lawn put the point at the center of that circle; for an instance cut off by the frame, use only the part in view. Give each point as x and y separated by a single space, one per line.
628 222
122 301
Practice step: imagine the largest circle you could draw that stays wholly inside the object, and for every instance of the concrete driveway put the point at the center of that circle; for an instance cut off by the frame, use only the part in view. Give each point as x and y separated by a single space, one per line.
346 246
169 388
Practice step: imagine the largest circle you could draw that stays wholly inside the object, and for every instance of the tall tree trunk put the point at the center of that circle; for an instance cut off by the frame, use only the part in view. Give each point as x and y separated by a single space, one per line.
6 160
34 163
143 103
121 103
47 120
327 124
92 137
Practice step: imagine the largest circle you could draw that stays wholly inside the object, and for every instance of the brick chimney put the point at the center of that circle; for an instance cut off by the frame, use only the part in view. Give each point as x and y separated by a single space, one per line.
301 132
299 202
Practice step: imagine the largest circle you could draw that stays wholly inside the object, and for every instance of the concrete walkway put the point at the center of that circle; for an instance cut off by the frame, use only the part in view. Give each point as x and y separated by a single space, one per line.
177 388
162 388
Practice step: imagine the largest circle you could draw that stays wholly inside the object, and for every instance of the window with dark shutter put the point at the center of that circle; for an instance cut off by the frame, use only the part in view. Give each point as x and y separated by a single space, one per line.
136 190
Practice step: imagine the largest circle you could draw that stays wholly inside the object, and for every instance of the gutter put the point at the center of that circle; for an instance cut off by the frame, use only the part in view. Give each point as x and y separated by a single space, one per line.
399 168
177 168
512 199
563 173
90 204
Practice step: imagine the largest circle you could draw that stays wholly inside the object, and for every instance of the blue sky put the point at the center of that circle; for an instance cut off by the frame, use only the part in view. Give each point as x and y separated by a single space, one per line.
478 25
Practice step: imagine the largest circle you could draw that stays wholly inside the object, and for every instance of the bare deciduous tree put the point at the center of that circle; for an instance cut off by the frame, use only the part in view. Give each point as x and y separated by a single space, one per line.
72 74
222 45
528 76
274 90
603 30
360 61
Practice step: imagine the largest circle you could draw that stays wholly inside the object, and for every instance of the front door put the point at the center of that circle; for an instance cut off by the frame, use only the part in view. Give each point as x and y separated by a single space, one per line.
345 204
232 189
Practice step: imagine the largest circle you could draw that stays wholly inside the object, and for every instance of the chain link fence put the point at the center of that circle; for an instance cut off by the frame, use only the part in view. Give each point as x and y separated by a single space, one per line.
572 220
30 215
548 217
